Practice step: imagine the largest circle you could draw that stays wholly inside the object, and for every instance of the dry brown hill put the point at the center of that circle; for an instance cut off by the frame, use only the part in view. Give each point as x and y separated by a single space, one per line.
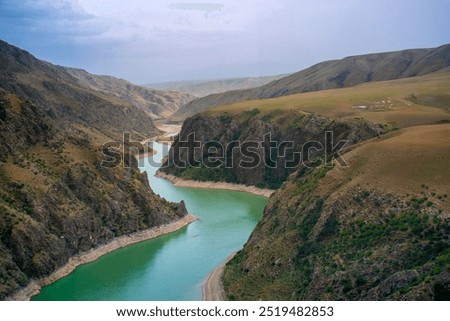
63 98
156 103
376 230
401 103
347 72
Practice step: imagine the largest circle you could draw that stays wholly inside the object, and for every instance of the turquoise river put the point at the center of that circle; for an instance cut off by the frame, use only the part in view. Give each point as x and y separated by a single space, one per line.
172 266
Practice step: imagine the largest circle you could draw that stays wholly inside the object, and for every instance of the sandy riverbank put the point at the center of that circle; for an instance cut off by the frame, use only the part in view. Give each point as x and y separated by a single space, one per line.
168 129
217 185
35 286
212 289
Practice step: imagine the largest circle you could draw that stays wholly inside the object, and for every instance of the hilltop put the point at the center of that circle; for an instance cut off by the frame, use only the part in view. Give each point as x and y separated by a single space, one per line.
347 72
400 103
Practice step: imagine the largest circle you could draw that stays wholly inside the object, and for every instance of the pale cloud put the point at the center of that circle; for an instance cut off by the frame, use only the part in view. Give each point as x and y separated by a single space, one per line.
145 41
153 20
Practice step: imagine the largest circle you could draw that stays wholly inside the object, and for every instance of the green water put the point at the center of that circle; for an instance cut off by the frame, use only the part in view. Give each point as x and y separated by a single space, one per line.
170 267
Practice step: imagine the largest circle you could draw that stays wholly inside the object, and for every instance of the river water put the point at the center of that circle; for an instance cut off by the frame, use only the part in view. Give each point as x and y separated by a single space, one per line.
173 266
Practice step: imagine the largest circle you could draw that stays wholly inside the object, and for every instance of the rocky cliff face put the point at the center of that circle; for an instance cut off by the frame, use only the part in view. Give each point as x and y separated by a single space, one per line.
229 132
56 200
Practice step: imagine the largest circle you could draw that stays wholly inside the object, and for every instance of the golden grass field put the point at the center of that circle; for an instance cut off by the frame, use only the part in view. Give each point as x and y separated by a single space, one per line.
411 161
400 103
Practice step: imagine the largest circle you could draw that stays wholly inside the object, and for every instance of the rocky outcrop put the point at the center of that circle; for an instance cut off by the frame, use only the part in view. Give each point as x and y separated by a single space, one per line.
231 131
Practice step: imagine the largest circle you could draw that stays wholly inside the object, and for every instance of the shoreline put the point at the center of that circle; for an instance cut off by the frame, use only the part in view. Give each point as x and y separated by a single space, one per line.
212 288
34 287
179 182
145 154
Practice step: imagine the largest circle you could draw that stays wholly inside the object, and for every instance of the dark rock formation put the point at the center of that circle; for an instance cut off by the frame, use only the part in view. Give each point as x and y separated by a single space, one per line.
282 126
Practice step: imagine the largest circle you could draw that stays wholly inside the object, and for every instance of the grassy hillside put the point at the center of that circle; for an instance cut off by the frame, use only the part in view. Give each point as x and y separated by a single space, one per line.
344 73
401 103
355 114
375 230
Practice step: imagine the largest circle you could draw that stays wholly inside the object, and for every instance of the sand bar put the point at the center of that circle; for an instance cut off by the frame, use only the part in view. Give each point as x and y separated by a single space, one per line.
212 289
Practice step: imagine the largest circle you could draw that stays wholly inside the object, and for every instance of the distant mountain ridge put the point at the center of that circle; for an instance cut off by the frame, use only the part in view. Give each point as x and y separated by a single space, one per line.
156 103
64 98
202 88
346 72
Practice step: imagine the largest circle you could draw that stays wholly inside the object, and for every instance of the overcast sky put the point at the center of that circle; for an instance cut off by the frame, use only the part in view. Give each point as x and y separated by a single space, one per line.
152 41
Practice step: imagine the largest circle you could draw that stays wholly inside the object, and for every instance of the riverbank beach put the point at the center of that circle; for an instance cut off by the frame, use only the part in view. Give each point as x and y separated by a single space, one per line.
212 289
35 286
179 182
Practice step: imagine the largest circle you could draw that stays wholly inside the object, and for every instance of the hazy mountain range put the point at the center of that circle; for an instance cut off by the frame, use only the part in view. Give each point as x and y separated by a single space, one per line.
342 73
201 88
156 103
